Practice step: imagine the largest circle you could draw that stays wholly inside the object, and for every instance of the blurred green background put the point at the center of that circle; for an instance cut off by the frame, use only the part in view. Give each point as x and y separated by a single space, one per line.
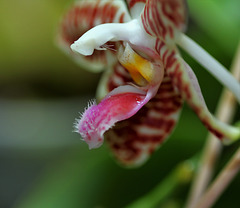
44 164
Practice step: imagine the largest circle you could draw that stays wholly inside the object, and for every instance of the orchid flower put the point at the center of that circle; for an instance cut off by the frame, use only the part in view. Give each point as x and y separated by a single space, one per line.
145 81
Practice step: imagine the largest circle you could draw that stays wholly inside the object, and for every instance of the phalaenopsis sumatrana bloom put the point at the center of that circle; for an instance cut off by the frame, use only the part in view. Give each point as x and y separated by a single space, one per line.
145 81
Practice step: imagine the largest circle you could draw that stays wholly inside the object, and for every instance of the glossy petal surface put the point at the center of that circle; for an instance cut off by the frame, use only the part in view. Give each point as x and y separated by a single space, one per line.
120 104
135 139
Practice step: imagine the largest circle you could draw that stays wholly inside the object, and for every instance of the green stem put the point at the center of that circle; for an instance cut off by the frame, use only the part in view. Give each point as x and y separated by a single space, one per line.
181 175
225 113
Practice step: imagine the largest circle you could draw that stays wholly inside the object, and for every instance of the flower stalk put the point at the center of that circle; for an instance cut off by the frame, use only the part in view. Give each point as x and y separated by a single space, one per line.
181 175
221 183
211 64
213 147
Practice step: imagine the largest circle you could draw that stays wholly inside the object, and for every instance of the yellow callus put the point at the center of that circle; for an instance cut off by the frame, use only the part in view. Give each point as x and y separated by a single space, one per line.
140 69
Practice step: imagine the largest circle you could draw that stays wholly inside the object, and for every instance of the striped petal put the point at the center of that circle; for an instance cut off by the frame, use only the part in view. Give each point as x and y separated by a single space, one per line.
130 144
120 104
83 16
112 78
135 139
185 81
164 18
135 7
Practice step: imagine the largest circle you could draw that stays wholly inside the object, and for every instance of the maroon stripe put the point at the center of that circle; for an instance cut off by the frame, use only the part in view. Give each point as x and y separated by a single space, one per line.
170 60
133 2
127 140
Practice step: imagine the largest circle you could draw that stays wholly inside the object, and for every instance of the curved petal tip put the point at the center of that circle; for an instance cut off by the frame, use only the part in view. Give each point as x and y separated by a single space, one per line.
122 103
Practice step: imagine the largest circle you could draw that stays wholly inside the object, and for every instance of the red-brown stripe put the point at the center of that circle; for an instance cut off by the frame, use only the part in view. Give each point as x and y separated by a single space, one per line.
134 139
162 18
